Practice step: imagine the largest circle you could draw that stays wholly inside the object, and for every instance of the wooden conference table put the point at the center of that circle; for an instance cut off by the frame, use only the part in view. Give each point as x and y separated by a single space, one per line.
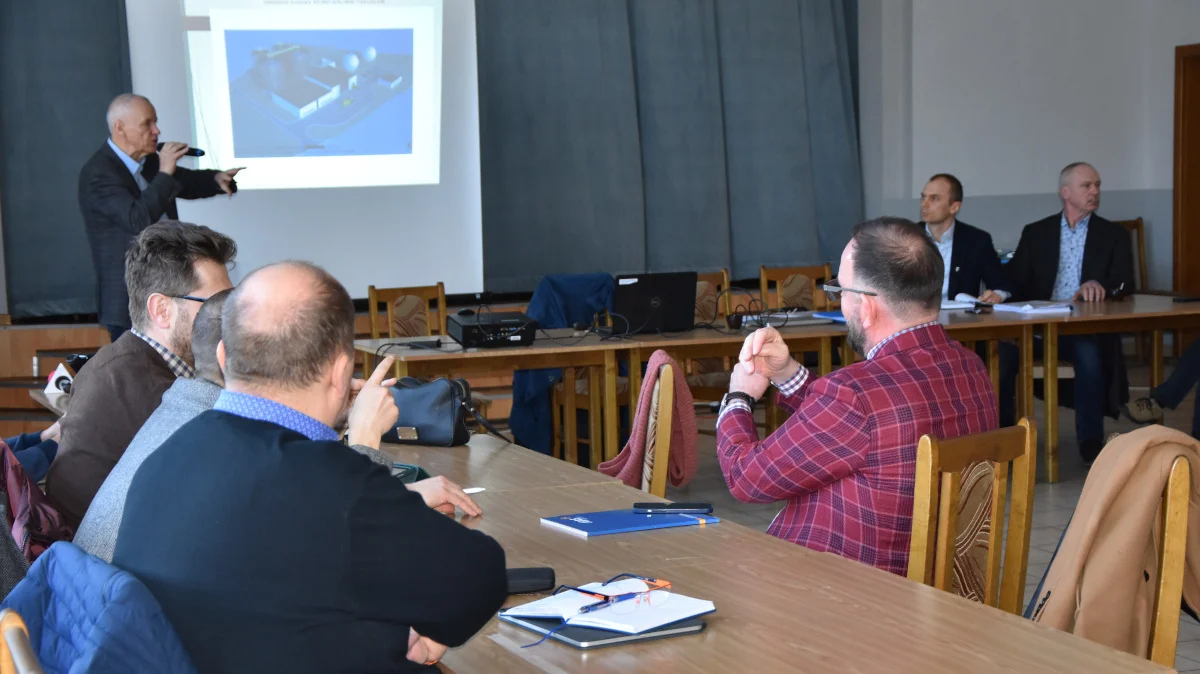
780 607
562 349
1140 313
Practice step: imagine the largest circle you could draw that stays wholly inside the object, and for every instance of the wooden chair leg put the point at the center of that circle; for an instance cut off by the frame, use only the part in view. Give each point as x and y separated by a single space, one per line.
570 435
595 443
556 448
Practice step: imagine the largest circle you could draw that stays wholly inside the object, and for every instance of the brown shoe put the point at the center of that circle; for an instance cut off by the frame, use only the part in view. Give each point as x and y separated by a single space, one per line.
1144 411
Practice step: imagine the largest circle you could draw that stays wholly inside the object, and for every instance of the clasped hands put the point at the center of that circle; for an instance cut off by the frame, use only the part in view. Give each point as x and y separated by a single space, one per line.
765 358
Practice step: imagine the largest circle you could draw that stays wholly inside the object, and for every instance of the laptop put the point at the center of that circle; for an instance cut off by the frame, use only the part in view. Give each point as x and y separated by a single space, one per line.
648 303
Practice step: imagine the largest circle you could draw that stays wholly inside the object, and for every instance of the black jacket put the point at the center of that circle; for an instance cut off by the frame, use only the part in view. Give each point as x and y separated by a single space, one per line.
115 210
270 552
1107 258
973 262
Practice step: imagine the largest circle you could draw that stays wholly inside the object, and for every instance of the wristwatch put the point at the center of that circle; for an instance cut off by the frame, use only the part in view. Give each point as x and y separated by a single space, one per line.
738 395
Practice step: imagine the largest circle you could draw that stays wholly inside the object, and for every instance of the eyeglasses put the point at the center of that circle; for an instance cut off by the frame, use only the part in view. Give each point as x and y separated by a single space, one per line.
833 289
193 298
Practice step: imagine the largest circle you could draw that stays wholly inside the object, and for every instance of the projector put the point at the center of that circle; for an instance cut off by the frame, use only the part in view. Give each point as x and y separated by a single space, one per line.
491 329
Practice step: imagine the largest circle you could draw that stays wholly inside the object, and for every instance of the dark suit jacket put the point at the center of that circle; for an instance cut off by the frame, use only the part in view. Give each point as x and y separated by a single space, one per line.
974 262
1107 258
115 210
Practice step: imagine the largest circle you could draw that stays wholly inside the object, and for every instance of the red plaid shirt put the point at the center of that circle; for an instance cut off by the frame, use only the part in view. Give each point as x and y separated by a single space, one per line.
845 460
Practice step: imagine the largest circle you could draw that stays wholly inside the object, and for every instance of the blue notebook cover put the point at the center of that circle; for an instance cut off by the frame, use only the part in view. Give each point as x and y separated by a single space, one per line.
622 521
835 316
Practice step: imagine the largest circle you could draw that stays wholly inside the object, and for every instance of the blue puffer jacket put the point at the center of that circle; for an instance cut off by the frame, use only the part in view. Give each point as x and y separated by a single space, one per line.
85 615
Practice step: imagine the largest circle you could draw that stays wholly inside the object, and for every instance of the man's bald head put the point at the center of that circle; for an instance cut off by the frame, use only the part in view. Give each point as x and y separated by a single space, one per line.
123 107
284 325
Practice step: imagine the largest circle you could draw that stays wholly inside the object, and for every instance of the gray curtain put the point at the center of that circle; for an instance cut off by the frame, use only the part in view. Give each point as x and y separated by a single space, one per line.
60 65
665 135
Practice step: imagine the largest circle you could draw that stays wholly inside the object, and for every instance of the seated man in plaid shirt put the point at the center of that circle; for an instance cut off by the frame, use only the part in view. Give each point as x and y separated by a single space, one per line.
845 460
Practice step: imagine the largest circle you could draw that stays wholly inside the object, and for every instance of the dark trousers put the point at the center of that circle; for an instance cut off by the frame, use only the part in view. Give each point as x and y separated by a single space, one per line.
115 331
1172 391
1084 354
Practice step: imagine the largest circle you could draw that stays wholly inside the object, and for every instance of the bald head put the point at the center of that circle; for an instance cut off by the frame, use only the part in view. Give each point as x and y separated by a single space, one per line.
133 125
123 107
284 326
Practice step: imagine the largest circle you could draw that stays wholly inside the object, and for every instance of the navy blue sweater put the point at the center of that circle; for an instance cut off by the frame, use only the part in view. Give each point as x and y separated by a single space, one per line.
272 552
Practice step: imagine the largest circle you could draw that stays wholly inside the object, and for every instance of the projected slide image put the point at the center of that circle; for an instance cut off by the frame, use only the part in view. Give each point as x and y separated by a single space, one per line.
320 92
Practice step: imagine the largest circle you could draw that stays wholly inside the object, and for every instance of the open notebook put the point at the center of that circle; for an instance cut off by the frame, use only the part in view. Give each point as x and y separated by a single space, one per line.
633 618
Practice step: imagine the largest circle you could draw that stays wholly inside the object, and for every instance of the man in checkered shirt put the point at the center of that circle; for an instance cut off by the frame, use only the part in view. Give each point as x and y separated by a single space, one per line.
845 460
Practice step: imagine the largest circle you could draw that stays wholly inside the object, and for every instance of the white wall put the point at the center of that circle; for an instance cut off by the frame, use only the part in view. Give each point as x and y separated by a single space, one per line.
1004 94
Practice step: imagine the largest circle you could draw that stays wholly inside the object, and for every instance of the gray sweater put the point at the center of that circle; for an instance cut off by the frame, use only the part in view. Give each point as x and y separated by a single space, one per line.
181 403
184 401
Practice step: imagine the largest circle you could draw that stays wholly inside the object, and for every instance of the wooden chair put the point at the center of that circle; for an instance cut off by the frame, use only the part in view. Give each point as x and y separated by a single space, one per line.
408 313
782 277
658 433
779 276
940 464
709 377
409 324
16 652
1137 231
1172 545
587 397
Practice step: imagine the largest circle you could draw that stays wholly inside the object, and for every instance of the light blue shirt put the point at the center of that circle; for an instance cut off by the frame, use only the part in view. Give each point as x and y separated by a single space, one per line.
135 167
946 248
260 409
1070 259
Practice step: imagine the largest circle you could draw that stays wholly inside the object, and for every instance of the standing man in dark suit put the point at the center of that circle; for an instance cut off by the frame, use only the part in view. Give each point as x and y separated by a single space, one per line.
968 255
129 185
1074 256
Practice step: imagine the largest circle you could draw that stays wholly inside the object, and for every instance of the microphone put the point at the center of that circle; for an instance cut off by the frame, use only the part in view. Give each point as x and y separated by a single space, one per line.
191 151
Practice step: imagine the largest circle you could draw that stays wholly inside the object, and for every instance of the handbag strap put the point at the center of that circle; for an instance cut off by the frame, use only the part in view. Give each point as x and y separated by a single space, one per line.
483 422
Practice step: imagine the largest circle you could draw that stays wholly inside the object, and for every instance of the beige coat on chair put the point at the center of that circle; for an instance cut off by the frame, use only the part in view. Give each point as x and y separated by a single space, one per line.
1102 583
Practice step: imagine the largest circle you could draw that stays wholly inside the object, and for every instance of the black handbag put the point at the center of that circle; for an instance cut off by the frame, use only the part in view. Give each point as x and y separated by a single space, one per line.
434 413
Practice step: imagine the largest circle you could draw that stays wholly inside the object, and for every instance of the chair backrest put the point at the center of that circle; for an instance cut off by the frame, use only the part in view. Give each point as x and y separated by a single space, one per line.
1172 545
719 281
658 433
940 465
1137 230
781 276
16 653
421 296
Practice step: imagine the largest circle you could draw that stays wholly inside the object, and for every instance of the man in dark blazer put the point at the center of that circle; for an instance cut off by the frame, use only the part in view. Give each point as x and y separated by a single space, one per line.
968 255
128 185
1075 256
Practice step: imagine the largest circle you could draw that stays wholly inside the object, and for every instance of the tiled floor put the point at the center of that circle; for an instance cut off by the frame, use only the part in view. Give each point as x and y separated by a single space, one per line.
1053 503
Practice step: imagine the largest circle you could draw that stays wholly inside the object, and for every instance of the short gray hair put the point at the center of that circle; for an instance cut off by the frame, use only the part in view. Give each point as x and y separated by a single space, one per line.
1064 176
290 354
120 106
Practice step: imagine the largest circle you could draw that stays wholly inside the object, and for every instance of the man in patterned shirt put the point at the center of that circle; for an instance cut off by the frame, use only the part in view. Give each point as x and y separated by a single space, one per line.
1074 256
845 460
170 269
